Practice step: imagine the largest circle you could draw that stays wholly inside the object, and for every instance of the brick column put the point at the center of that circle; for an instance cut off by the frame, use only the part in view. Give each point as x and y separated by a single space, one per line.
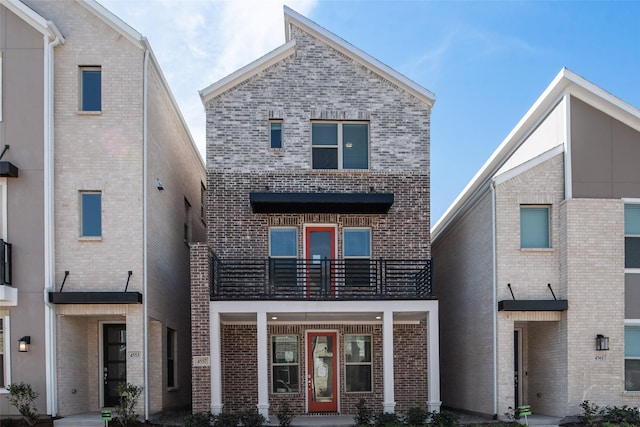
200 328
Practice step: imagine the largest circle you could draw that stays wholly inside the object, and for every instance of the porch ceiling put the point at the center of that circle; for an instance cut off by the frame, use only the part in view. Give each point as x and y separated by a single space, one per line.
322 317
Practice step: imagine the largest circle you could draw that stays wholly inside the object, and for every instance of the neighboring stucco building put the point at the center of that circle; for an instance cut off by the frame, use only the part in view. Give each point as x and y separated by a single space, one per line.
315 286
110 193
538 262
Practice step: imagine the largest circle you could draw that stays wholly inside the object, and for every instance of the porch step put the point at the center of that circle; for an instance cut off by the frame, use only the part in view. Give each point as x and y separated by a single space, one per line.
318 421
80 420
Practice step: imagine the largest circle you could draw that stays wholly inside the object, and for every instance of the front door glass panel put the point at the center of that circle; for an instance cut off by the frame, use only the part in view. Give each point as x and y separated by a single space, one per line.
322 385
320 252
114 370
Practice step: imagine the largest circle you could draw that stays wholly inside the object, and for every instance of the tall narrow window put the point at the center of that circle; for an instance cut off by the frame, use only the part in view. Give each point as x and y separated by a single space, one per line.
534 227
339 145
358 370
632 357
203 201
275 134
283 250
171 358
90 88
187 221
284 363
632 236
3 383
357 256
91 214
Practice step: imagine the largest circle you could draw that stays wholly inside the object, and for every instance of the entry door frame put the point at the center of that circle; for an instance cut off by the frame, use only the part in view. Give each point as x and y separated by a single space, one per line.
518 337
307 228
336 367
101 325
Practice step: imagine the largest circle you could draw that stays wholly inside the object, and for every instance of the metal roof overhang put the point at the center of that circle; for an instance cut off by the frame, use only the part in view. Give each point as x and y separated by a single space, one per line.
95 297
533 305
346 203
8 170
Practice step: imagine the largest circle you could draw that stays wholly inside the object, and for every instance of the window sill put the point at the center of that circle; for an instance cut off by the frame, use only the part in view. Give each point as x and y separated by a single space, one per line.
632 270
4 391
358 392
536 249
173 389
89 113
90 238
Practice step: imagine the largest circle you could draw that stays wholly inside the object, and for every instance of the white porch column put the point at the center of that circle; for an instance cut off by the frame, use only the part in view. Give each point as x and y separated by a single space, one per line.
433 348
263 364
216 363
388 403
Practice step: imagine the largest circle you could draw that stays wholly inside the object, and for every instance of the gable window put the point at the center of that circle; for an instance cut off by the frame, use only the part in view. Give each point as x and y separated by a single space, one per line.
341 145
358 370
534 227
283 250
632 357
284 363
172 340
275 134
357 256
91 214
632 236
90 88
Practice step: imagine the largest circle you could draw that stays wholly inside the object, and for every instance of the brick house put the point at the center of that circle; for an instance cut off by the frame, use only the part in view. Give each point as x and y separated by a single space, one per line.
97 193
538 262
314 287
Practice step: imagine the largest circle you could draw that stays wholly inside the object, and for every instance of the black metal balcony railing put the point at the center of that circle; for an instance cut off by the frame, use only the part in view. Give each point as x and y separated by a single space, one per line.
327 279
5 263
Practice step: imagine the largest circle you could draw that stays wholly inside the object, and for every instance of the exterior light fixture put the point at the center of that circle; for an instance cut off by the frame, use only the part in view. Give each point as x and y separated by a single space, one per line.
274 317
602 342
23 344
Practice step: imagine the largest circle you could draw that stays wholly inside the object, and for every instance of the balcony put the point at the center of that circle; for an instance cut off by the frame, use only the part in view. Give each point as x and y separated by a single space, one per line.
321 280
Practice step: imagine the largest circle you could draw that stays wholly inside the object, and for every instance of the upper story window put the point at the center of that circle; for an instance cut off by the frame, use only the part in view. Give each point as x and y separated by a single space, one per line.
632 236
90 89
534 227
283 250
340 145
275 134
357 256
203 202
187 221
91 214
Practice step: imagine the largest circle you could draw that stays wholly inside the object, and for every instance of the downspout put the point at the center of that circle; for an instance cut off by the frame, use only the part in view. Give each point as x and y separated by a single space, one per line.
145 308
494 309
51 379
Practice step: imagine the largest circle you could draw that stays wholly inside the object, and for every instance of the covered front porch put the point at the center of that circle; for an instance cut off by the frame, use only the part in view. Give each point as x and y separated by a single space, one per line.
322 357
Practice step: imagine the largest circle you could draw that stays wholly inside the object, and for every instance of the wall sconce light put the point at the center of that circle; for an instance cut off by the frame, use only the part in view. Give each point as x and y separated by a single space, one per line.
159 185
602 342
23 343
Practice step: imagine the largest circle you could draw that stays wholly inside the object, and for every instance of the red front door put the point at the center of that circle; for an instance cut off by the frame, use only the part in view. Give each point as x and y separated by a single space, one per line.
320 244
322 384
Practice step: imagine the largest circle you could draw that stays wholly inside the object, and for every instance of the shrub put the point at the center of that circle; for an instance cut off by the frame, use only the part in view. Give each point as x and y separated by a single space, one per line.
252 419
285 416
226 419
416 417
363 414
128 399
199 419
387 419
23 398
624 415
443 419
590 413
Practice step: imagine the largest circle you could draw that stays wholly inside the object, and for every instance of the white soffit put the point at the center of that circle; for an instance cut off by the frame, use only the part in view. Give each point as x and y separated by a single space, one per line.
47 28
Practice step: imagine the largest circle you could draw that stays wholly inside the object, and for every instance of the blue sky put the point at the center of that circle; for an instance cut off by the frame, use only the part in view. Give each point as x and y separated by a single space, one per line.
486 61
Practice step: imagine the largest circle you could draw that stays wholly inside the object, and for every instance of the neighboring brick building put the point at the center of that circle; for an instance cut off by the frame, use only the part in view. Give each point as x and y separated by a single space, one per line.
100 248
538 262
315 285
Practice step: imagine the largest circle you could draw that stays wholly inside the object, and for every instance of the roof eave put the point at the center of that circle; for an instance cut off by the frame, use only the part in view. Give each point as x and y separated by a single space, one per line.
357 55
248 71
114 22
30 16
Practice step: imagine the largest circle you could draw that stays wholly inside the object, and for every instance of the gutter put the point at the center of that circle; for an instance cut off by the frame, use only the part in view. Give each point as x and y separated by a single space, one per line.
145 294
495 299
51 378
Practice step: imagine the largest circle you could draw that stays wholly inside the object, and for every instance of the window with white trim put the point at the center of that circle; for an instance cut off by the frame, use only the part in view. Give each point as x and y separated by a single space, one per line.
632 357
340 145
283 252
356 244
284 363
534 227
90 88
632 236
358 363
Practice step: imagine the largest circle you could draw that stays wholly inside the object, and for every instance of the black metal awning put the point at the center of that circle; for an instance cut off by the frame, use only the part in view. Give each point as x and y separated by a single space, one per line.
533 305
347 203
8 170
95 297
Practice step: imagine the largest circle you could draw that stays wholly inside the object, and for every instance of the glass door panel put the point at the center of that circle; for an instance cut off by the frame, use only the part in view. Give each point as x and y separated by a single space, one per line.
320 252
322 383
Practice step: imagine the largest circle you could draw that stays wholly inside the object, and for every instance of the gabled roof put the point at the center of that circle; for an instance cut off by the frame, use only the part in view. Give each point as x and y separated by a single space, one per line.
293 18
565 83
47 28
